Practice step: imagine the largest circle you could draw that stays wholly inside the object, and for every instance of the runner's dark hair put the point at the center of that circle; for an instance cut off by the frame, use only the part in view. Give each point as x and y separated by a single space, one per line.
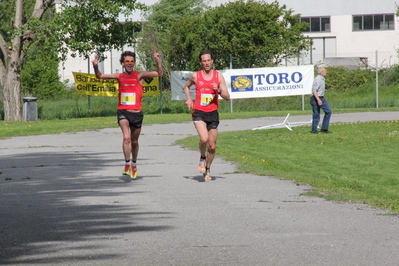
127 53
205 52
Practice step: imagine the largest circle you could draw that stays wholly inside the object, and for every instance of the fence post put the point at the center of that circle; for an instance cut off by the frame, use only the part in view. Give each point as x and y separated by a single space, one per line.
376 78
160 88
303 96
88 96
231 67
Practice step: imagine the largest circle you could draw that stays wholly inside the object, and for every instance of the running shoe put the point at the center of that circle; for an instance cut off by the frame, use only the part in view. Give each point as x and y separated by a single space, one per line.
207 176
133 173
127 170
201 166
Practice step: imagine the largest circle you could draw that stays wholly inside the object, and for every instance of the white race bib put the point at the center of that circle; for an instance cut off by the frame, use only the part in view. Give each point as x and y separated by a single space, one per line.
128 98
206 98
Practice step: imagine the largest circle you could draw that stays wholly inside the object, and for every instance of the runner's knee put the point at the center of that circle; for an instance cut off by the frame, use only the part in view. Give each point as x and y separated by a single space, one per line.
211 147
126 139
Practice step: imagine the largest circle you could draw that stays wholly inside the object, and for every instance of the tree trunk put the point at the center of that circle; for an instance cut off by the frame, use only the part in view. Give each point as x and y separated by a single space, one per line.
12 85
12 91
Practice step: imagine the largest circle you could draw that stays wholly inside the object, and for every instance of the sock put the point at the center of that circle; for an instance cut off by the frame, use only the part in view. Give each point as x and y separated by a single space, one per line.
127 162
203 158
134 163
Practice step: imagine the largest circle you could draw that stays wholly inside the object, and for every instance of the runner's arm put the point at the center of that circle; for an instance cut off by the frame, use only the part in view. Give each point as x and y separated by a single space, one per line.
98 73
153 74
189 83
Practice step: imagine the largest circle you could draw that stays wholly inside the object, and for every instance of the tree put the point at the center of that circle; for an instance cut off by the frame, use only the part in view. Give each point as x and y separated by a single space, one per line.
40 76
82 27
257 34
157 29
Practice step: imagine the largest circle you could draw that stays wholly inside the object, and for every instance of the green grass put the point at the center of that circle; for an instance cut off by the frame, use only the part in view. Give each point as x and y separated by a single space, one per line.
19 128
357 163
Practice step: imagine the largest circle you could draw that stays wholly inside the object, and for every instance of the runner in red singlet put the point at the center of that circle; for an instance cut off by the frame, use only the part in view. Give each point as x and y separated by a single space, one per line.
130 116
209 85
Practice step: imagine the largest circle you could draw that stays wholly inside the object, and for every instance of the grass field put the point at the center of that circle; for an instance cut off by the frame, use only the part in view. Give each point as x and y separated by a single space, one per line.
20 128
357 163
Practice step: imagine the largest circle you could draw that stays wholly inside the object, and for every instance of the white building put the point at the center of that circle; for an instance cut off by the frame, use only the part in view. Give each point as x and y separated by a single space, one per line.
344 32
350 29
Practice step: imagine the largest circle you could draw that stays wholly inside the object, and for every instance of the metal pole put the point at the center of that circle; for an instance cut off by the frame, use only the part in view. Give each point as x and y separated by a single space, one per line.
311 54
231 67
160 88
376 78
303 96
88 96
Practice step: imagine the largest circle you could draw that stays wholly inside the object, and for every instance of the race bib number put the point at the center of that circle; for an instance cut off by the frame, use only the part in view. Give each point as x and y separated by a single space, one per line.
206 99
128 99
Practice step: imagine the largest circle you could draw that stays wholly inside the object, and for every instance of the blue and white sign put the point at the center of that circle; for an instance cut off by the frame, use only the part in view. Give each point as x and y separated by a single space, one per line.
256 82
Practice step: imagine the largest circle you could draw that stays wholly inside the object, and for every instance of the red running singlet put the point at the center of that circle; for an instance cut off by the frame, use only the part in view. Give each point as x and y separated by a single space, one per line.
130 92
206 98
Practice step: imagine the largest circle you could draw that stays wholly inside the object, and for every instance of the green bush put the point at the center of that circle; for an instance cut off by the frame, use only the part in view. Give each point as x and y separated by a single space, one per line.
39 76
390 76
342 79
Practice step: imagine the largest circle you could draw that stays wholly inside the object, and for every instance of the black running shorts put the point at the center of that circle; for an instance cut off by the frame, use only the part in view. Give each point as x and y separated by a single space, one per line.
135 119
210 118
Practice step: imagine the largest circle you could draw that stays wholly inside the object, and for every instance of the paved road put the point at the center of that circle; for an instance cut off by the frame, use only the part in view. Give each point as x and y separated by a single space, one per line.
66 204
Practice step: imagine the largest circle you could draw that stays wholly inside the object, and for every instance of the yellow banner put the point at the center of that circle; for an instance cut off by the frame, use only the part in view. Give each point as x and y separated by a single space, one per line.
151 86
88 84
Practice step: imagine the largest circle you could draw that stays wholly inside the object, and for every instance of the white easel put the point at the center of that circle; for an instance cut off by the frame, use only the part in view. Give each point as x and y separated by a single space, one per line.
285 123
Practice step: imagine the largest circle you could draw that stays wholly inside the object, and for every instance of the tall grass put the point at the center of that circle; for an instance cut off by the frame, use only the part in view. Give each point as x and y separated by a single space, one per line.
79 106
364 96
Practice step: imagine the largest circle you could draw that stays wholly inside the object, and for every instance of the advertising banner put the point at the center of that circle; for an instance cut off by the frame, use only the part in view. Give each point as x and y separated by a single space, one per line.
178 80
88 84
255 82
151 86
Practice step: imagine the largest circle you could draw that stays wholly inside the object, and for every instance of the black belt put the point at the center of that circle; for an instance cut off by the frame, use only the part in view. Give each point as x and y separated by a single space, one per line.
321 96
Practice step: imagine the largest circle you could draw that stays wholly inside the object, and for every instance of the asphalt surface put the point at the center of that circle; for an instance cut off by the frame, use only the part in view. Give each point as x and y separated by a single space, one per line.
65 202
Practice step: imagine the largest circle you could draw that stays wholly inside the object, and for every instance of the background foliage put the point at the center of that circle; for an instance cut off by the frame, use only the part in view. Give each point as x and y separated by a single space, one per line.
92 25
80 28
158 29
258 34
343 79
40 77
7 8
179 29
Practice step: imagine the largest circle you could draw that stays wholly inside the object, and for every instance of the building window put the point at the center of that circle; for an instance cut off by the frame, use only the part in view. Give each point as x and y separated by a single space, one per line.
317 24
373 22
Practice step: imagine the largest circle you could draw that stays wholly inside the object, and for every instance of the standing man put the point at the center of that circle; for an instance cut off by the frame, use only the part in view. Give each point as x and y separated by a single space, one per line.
130 116
209 85
318 101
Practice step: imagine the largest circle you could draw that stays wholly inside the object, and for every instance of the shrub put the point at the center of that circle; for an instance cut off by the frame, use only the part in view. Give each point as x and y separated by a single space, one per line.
342 79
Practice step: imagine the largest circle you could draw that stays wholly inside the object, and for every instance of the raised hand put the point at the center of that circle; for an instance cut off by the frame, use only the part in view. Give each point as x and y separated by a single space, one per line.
95 61
156 55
